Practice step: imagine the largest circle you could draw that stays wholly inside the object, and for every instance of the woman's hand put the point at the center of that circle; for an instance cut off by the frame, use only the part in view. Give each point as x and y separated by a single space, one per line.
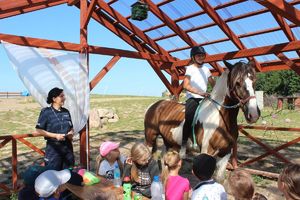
60 137
70 135
204 94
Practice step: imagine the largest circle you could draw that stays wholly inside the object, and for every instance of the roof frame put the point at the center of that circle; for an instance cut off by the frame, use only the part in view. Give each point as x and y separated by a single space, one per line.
181 33
23 6
224 27
282 8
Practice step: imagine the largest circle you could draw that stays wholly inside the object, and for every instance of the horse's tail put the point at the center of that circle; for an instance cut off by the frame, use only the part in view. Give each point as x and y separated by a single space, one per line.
151 125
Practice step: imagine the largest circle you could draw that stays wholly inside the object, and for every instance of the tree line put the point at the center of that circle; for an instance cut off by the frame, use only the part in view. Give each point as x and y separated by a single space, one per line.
282 83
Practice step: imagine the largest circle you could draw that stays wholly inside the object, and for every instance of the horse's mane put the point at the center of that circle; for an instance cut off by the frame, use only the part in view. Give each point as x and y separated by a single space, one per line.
219 91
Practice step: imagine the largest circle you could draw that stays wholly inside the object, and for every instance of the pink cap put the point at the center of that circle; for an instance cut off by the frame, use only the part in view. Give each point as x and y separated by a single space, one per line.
108 146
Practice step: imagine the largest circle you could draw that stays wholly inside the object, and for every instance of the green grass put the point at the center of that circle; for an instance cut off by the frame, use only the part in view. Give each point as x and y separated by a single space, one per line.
131 110
260 181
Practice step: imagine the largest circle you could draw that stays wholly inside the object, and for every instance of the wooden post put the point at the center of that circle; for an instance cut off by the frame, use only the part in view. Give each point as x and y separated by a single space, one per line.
175 82
279 103
234 156
84 135
14 161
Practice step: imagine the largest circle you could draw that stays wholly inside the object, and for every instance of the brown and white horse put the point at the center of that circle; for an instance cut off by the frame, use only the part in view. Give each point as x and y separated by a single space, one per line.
216 127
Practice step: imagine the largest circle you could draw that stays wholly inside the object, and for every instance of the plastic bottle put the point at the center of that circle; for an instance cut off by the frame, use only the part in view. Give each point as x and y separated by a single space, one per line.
156 189
117 176
127 188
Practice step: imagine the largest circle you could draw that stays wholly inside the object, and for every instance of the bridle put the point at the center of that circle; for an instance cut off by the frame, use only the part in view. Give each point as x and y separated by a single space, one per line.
233 95
241 102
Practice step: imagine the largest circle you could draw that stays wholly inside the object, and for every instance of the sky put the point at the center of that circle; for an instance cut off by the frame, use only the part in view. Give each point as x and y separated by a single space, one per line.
132 76
127 77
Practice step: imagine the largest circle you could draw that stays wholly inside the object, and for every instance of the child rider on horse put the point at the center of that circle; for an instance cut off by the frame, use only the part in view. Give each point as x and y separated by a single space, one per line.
195 82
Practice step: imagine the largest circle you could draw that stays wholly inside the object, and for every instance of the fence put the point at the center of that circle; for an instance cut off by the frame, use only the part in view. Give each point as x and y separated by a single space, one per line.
269 151
10 94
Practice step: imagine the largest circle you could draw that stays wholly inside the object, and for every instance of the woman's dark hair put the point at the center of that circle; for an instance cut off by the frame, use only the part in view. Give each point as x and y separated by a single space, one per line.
54 92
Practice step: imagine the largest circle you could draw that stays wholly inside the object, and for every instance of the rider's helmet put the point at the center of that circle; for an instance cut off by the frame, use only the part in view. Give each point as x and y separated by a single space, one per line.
197 50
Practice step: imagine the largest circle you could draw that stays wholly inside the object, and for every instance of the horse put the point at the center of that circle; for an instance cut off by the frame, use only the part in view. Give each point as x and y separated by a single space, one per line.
215 127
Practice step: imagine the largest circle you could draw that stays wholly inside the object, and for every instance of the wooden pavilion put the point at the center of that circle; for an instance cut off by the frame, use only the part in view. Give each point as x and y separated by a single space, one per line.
150 42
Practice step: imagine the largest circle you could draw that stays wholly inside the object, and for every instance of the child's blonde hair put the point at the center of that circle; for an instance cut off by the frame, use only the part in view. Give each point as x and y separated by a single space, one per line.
241 184
290 176
138 151
171 161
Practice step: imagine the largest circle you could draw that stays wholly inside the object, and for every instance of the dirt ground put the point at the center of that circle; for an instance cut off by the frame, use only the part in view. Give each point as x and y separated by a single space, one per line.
127 139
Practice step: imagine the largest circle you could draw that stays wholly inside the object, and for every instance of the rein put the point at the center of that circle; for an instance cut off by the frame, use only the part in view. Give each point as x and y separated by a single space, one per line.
240 103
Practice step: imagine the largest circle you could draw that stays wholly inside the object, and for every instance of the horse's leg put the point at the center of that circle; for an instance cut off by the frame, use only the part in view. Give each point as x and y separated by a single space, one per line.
221 167
151 136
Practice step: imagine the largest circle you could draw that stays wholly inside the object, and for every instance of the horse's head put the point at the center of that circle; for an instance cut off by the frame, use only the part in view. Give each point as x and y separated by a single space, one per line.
241 82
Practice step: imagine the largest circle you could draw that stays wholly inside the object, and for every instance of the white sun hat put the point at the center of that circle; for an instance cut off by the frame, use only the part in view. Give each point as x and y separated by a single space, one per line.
48 182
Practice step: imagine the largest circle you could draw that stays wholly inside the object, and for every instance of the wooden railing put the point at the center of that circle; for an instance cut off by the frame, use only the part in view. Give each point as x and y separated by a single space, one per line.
10 94
14 157
269 151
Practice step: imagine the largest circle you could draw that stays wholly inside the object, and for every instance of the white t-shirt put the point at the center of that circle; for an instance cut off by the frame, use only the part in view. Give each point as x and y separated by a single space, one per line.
107 170
198 79
213 191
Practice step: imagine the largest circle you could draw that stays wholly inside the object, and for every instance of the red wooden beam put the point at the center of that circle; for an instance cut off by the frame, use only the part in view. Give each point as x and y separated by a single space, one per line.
12 8
4 142
102 19
266 147
131 27
224 27
282 8
31 146
72 2
285 28
156 67
5 188
14 161
230 3
277 48
227 39
289 62
111 2
113 26
170 23
67 46
89 13
292 142
84 135
164 2
242 16
104 71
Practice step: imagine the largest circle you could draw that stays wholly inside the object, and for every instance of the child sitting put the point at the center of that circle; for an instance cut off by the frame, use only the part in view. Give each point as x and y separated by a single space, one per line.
204 166
49 184
289 182
29 176
108 159
141 168
176 187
